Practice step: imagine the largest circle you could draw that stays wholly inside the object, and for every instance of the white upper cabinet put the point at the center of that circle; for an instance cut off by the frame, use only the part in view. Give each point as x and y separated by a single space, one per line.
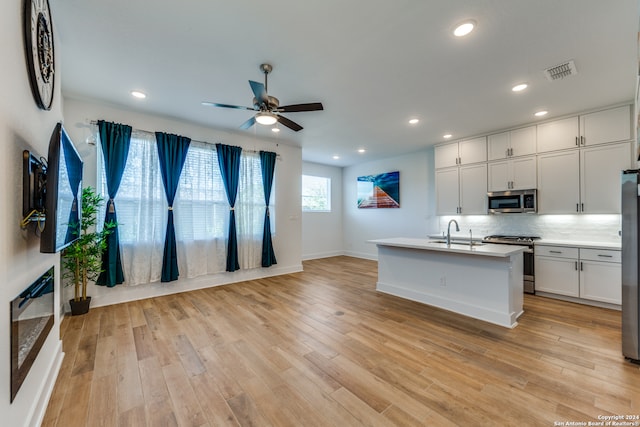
600 127
473 150
462 190
558 134
461 153
473 189
512 174
606 126
600 168
559 182
519 142
582 181
447 191
446 155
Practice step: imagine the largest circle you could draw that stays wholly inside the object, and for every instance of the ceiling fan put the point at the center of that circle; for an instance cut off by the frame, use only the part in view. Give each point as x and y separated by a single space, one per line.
268 107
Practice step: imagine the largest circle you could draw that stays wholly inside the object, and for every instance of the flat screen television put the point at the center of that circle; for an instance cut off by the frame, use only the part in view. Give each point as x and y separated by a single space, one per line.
62 193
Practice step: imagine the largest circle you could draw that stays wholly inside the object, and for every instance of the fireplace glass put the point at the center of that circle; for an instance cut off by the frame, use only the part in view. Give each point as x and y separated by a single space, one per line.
31 321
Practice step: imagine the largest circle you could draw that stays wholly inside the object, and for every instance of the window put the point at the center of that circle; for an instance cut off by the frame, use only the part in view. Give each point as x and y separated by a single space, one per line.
316 194
201 212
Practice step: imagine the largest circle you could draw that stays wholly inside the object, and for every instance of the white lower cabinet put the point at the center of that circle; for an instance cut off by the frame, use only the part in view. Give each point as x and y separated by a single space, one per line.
590 274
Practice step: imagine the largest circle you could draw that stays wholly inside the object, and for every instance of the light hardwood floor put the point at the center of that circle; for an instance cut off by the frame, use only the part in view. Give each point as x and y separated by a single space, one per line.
323 348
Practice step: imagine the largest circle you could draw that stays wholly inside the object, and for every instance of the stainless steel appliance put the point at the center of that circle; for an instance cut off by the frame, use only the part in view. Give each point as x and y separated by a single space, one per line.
630 265
529 281
515 201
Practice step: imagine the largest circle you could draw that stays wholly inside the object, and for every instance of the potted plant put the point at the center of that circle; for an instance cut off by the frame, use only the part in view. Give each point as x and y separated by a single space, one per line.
82 260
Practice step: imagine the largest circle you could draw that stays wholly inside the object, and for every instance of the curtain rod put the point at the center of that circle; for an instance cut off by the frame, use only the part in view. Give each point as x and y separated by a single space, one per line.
95 123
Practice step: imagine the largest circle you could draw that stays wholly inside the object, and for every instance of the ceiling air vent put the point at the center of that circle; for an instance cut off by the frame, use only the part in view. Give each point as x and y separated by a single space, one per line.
561 71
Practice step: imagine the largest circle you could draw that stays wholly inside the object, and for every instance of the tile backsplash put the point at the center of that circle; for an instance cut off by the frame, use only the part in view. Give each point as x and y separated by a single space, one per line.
591 228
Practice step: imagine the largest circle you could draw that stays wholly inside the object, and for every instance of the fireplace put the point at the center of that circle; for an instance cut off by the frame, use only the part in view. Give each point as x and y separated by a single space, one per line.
31 321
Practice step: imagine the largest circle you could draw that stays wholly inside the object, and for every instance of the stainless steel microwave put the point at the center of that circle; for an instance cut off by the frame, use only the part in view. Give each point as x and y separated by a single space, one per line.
515 201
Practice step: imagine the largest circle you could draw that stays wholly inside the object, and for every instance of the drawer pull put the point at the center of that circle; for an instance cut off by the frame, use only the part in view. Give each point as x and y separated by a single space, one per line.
555 252
605 256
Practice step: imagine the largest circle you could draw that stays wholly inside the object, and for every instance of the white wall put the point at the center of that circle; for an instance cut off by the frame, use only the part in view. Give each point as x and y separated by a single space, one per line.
322 231
22 126
415 217
287 240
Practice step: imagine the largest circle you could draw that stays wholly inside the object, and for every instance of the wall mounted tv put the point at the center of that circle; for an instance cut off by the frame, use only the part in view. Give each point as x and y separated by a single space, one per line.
62 189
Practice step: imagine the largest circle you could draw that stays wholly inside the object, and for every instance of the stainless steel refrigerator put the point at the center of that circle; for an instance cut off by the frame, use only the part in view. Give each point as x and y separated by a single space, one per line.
630 265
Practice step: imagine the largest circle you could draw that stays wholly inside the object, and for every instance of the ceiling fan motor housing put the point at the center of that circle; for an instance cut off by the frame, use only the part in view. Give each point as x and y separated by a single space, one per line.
273 104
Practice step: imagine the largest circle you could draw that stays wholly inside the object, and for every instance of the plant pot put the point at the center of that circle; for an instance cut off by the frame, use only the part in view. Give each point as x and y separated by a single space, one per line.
79 307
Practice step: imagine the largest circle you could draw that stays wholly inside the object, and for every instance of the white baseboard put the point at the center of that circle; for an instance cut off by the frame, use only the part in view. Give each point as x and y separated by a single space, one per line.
320 255
40 404
363 255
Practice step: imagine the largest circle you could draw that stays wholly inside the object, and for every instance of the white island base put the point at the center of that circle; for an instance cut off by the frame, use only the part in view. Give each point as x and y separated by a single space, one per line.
483 282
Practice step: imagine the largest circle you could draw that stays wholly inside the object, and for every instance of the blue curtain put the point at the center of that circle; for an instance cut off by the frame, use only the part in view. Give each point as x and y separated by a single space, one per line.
268 164
75 178
229 159
115 139
172 152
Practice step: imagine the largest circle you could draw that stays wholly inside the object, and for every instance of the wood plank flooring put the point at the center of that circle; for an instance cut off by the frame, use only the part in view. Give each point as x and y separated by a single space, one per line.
323 348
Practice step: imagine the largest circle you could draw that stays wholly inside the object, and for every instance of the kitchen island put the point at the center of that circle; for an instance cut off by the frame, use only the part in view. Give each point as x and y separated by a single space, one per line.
483 281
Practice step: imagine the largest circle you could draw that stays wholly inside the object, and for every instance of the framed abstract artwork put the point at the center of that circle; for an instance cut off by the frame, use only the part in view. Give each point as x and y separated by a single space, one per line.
379 191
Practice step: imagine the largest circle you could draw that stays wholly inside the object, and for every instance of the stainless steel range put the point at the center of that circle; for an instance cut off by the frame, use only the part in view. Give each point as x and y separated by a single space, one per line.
528 258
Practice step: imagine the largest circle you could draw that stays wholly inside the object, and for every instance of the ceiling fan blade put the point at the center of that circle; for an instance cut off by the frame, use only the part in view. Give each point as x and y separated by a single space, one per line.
290 124
260 93
296 108
214 104
246 125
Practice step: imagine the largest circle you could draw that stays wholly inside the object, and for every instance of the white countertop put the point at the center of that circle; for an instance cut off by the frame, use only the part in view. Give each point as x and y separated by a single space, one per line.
580 244
485 249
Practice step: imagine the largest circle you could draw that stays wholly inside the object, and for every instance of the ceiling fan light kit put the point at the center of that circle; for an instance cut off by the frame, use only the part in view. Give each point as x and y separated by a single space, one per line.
266 118
268 107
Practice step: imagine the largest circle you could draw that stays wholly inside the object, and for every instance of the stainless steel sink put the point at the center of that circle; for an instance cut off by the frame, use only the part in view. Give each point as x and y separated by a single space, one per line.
457 242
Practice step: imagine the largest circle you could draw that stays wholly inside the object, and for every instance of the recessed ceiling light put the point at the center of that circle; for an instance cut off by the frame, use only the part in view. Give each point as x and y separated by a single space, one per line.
361 150
276 130
138 94
447 136
464 28
414 121
519 87
541 113
336 157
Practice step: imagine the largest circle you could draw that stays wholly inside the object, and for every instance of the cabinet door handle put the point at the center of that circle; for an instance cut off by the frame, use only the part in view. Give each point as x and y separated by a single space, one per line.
511 151
577 141
577 207
582 140
576 265
605 256
581 266
555 252
582 207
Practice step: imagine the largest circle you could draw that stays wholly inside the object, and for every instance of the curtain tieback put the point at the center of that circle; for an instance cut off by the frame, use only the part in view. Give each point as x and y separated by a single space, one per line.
170 208
112 206
232 208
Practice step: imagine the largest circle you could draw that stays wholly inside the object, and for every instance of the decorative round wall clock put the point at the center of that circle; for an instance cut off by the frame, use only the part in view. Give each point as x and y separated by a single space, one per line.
38 32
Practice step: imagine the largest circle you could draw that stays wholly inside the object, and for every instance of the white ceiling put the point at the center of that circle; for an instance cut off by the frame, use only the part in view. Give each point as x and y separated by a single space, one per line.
374 64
